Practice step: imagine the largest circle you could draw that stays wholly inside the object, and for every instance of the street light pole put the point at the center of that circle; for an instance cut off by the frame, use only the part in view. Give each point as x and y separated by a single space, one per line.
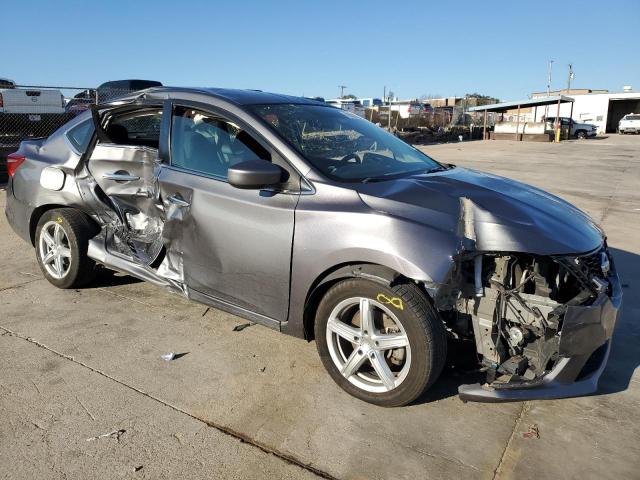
342 87
549 69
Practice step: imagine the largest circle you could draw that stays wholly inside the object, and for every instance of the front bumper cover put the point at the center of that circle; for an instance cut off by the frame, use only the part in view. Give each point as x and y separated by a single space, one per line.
585 343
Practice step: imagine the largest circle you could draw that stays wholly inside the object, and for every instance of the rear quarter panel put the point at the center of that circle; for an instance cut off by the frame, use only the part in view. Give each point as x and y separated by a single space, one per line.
25 193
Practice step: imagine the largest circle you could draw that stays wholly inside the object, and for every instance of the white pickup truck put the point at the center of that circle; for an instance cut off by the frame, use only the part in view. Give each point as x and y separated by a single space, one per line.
630 123
578 130
29 101
28 112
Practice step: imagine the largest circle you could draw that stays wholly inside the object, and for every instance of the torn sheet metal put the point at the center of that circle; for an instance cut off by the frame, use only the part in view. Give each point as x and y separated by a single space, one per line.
135 199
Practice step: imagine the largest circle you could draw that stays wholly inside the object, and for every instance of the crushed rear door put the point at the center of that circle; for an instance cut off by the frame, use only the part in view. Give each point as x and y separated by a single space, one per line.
122 174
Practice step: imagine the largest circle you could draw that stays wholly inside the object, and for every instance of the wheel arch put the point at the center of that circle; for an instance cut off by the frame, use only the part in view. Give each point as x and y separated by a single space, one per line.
38 212
370 271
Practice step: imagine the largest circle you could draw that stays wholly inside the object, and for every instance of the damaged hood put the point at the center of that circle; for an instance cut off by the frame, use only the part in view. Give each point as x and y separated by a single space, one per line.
498 213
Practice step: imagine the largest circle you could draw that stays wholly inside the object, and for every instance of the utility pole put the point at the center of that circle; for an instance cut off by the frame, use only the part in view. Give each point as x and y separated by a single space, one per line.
384 94
549 69
342 87
571 77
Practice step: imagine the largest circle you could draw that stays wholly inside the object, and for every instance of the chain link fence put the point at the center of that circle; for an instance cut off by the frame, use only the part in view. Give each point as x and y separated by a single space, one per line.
36 111
33 111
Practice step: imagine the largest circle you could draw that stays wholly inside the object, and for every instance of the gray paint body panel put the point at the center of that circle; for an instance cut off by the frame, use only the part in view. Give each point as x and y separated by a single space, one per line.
235 244
410 226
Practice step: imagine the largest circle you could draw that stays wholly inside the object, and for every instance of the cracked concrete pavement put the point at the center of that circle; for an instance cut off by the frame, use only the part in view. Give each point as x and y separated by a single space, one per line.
255 404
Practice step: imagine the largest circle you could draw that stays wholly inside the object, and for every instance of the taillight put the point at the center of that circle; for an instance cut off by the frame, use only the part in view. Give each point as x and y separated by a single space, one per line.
14 160
1 101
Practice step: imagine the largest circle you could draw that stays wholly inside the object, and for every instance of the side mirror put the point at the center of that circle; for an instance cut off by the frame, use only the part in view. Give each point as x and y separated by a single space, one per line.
254 174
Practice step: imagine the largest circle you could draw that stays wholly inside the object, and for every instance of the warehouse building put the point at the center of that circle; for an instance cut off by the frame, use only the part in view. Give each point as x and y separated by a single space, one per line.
598 107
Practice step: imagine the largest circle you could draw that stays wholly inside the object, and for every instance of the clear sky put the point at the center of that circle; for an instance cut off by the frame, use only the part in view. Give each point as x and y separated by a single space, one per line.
311 47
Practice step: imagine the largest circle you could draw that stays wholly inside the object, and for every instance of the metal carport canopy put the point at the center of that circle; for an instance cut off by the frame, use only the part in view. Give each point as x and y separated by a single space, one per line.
535 102
505 106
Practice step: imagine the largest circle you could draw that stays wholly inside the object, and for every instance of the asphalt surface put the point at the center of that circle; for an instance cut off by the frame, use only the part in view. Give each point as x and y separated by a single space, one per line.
85 394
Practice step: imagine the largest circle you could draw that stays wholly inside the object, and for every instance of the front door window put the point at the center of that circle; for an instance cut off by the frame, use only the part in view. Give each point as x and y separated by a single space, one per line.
206 143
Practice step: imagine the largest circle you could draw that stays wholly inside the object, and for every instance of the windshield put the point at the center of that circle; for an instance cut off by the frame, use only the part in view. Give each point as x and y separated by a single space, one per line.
344 146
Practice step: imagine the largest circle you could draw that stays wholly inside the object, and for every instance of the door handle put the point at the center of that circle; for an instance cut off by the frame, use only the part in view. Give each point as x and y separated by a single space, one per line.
178 201
120 177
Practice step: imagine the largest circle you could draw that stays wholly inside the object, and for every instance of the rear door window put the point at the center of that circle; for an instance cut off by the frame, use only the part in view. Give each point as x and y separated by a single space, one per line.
140 128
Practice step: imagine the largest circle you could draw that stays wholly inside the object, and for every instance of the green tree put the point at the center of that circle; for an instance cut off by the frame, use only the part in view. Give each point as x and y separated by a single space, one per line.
482 99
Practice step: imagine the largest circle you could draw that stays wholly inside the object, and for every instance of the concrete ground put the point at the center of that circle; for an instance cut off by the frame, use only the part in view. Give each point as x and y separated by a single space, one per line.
84 393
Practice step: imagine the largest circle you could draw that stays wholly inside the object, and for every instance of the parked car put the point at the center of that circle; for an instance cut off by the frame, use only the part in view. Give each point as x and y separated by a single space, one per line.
370 102
317 223
348 105
408 109
426 106
80 102
118 88
578 130
629 124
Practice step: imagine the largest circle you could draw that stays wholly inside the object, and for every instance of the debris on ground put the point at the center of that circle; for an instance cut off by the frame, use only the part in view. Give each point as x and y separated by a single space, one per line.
206 311
114 434
263 369
533 432
242 326
167 357
138 468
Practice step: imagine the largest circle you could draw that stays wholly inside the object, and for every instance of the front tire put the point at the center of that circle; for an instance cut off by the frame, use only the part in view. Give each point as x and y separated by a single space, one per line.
384 345
62 238
581 134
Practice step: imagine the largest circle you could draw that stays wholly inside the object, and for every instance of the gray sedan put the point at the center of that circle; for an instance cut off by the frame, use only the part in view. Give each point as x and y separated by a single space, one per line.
317 223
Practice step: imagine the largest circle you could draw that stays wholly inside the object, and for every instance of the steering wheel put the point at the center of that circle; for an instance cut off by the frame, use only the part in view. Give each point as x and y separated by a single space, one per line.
350 156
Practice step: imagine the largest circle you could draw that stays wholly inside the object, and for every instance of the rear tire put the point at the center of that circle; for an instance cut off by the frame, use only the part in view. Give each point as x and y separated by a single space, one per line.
62 238
376 369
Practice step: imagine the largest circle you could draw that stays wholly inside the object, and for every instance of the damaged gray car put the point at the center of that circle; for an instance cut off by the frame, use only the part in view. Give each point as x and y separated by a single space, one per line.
317 223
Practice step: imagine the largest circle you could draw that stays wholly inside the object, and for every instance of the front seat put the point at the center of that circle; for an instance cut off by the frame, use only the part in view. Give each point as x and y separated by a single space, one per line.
204 156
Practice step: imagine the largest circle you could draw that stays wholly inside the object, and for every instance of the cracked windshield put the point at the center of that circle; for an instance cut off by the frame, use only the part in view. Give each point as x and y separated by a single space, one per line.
343 146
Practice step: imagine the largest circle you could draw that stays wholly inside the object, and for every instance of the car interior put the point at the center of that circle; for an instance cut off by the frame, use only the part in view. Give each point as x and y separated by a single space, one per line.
141 128
210 144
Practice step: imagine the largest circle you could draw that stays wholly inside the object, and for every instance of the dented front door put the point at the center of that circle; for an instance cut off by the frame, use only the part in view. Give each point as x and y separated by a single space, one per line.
231 244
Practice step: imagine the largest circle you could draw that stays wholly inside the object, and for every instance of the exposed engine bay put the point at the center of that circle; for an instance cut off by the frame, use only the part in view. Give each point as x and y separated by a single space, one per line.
513 306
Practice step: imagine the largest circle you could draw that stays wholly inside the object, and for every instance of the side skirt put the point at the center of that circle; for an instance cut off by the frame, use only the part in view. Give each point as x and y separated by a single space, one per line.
99 253
235 310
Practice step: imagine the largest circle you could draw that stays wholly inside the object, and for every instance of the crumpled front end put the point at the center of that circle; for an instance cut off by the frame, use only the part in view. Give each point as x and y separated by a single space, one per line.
541 324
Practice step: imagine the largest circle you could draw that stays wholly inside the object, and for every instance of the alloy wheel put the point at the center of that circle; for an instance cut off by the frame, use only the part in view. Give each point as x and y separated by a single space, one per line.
368 344
55 251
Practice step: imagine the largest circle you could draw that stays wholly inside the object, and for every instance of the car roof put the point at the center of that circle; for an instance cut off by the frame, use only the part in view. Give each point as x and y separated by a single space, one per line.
236 96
